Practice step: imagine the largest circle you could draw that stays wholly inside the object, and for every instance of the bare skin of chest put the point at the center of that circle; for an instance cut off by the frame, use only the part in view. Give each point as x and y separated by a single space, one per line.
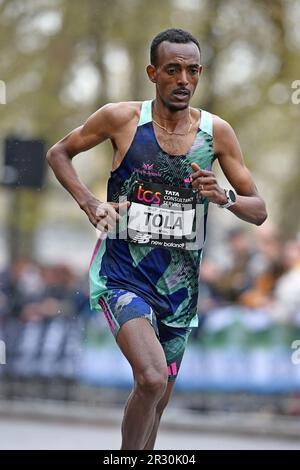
175 144
171 144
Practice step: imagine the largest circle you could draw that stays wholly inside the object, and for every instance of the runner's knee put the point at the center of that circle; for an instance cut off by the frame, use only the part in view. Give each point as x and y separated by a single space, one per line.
152 383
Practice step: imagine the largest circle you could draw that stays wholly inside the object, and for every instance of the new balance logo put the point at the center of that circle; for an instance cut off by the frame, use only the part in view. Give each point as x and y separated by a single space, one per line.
141 238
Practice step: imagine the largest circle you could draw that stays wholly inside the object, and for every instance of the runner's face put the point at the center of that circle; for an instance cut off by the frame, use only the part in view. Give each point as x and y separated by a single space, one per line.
176 74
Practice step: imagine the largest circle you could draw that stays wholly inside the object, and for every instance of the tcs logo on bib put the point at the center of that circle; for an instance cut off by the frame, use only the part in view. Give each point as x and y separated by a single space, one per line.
145 195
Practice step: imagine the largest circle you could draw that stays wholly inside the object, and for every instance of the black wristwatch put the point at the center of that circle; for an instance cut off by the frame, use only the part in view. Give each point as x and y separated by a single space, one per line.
231 199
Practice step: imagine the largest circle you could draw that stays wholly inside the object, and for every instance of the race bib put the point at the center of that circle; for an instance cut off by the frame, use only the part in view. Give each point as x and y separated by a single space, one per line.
163 216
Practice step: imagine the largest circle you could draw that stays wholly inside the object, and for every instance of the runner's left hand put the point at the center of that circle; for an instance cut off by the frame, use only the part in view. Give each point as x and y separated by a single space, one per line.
207 185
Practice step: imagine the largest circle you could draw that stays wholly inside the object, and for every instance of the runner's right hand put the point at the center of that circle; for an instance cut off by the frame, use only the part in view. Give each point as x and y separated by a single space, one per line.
104 215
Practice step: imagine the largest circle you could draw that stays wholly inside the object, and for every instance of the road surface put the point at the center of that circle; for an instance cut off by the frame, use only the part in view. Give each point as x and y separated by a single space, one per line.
29 434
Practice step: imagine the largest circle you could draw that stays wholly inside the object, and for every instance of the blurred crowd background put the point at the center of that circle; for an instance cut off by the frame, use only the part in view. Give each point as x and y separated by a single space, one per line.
249 316
60 60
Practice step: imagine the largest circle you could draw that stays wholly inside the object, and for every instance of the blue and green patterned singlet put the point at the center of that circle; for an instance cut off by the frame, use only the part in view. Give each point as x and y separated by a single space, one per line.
166 278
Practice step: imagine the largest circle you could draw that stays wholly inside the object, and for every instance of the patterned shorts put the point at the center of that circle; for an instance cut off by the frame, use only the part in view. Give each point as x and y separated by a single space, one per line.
120 305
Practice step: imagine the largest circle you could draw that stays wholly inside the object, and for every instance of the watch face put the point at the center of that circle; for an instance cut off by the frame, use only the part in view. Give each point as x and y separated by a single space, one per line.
232 195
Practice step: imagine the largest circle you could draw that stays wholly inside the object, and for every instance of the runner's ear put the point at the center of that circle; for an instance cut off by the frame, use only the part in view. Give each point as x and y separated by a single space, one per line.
151 72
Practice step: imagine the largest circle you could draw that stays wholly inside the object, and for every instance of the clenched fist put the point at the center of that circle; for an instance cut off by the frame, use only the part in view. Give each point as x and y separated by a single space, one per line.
207 185
104 215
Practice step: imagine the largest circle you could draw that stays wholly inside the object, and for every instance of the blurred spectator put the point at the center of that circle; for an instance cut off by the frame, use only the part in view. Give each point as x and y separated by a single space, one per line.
265 267
286 300
209 296
34 292
236 277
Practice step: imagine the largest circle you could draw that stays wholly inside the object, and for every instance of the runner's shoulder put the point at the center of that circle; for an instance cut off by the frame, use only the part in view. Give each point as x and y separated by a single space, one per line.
223 134
117 115
222 129
219 124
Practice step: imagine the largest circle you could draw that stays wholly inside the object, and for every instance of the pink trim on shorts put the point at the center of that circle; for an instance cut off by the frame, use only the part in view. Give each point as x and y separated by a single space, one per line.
96 250
172 369
107 314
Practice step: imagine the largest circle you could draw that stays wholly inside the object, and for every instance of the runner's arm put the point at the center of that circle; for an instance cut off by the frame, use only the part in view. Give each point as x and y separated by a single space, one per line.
99 127
249 205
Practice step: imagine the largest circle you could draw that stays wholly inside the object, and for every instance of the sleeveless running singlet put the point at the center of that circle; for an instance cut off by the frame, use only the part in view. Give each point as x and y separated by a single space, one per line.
164 276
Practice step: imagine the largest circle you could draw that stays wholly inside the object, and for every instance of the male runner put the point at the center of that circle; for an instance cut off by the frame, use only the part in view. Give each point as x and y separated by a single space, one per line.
147 283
